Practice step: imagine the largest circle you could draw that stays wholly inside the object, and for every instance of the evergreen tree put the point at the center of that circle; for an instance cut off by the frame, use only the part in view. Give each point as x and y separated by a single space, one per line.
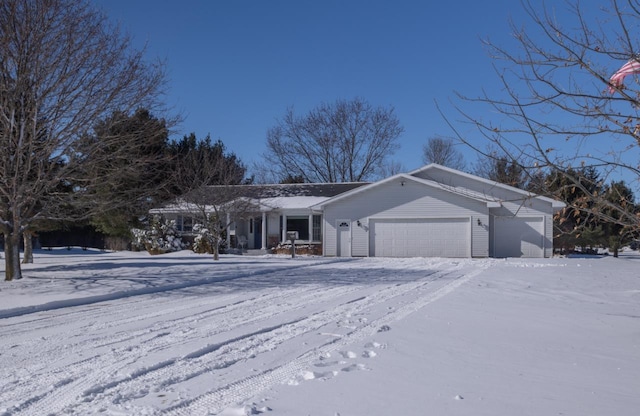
574 187
203 162
502 169
619 201
205 177
143 184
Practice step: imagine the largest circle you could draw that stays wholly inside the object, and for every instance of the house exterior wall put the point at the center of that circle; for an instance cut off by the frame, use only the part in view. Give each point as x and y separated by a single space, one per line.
515 203
273 229
409 201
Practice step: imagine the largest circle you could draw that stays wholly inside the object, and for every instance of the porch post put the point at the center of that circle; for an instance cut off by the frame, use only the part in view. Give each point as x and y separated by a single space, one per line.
228 230
264 231
310 227
283 237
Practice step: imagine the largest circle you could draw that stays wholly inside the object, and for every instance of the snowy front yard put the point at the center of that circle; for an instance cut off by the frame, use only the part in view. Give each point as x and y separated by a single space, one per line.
131 334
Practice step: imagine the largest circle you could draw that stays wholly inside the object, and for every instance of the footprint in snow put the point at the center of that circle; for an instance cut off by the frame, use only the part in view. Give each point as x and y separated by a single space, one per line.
326 363
354 367
348 354
311 375
245 410
384 328
376 345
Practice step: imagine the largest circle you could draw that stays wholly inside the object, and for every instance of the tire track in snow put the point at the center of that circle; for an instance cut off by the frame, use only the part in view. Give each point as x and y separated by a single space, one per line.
225 354
132 293
114 317
242 390
81 378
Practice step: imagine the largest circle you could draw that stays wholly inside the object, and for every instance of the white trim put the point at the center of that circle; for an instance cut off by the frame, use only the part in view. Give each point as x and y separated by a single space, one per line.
264 231
438 217
283 237
471 236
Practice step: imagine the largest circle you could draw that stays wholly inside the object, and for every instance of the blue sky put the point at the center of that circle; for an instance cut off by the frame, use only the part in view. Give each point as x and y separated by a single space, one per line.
234 67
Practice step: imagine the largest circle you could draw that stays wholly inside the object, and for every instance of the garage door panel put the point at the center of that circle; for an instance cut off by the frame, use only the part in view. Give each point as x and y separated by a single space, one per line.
519 237
432 237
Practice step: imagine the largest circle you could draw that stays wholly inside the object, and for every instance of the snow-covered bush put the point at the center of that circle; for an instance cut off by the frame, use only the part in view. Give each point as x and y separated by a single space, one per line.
161 237
205 240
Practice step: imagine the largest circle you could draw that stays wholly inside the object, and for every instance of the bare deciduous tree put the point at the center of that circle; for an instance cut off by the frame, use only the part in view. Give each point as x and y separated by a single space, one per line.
63 67
443 152
209 179
560 111
347 141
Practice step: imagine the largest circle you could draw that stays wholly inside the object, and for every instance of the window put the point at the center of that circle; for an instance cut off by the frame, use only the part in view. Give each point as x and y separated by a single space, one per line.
184 224
299 224
317 228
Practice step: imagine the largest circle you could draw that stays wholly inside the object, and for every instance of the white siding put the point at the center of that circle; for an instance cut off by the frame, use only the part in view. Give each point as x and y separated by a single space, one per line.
409 201
516 204
359 239
548 235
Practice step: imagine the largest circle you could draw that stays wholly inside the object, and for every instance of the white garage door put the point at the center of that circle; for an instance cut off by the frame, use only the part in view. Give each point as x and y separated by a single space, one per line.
518 237
433 237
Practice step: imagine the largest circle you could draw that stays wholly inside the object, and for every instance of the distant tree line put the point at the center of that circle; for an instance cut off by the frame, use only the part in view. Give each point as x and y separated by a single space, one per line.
85 137
164 171
585 222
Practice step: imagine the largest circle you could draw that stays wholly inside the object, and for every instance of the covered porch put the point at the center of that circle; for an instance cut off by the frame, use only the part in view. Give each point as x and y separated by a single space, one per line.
266 230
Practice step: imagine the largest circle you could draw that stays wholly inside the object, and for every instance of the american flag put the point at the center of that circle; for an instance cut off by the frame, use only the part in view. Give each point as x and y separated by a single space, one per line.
631 67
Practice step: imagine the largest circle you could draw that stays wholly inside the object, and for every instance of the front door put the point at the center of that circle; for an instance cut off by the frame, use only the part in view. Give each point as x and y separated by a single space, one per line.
257 232
343 248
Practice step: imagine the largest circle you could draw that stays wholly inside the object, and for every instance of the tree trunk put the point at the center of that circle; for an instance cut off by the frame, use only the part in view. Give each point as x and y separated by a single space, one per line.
28 247
12 257
216 249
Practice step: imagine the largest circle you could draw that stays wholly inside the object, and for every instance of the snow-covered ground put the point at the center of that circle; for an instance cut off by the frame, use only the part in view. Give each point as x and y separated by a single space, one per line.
126 333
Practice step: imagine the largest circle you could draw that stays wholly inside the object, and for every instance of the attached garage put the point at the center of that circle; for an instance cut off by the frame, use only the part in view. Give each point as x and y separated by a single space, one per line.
438 212
518 236
420 237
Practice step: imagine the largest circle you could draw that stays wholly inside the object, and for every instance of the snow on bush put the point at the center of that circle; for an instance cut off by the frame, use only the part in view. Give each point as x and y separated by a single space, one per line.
205 240
161 237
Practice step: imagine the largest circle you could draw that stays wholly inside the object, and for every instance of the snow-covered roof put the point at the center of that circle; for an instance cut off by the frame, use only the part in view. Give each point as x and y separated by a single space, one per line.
490 201
265 197
287 190
459 190
292 202
434 166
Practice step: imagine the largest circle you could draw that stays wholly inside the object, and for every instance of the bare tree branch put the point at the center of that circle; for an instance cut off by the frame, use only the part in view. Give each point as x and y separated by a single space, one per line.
443 152
63 67
554 113
348 141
